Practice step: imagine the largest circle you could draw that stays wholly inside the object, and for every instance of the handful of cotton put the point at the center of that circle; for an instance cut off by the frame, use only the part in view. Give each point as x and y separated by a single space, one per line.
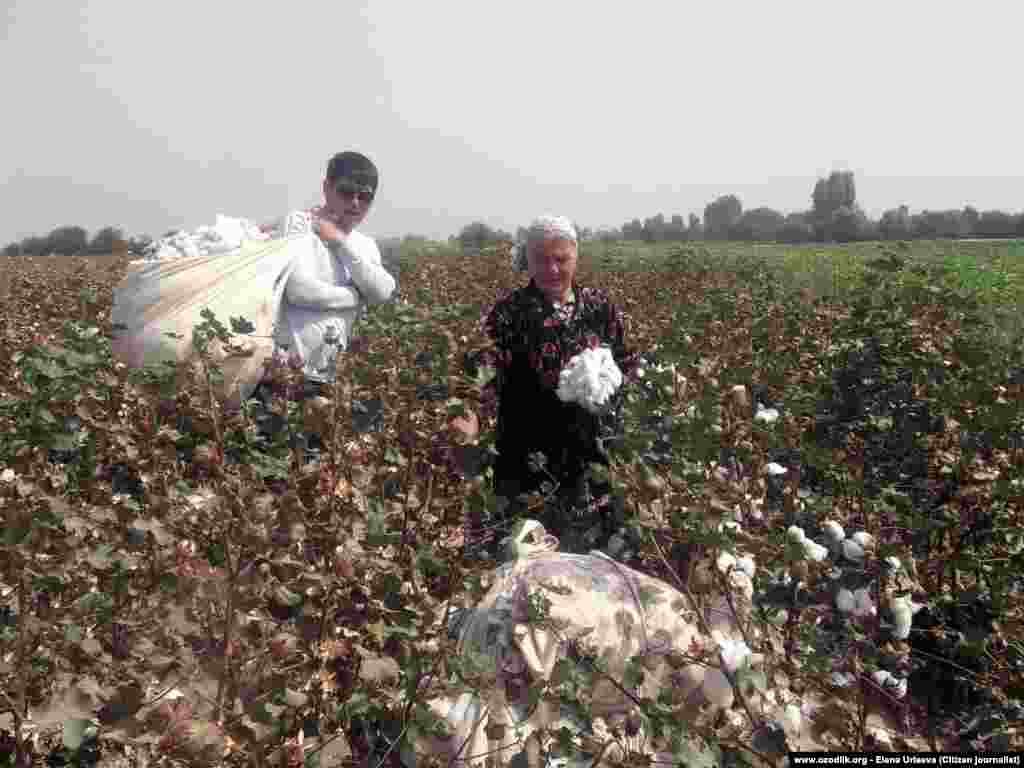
590 379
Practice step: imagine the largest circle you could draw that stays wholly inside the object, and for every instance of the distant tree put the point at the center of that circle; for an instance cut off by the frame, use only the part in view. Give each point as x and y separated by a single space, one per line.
67 241
721 215
106 240
848 223
996 224
1020 225
970 215
895 224
694 231
796 228
477 235
654 228
758 224
933 225
633 230
829 195
676 228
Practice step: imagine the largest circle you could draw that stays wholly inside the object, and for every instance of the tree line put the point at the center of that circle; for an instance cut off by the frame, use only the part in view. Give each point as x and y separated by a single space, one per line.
834 216
74 240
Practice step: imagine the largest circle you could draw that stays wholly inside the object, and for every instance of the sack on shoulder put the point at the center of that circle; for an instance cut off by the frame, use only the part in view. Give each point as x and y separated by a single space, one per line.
169 297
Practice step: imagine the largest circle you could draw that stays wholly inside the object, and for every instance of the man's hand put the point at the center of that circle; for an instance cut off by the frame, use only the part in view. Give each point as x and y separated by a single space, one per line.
327 230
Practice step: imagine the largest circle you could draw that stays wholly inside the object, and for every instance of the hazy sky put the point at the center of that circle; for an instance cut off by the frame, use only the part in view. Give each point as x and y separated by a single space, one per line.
153 116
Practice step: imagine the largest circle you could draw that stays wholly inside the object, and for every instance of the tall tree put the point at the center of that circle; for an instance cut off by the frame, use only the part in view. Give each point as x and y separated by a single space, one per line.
67 240
829 196
106 240
721 215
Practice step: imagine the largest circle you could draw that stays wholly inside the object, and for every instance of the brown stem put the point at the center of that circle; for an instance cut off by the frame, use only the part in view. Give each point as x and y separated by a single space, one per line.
229 622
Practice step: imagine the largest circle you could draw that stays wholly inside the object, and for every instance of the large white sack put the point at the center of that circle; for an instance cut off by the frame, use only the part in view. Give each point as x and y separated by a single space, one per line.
155 298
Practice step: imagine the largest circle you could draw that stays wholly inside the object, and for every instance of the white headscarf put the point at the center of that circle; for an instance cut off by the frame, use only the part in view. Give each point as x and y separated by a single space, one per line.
542 228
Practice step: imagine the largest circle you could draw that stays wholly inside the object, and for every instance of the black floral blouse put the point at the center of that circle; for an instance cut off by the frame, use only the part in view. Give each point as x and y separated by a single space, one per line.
533 341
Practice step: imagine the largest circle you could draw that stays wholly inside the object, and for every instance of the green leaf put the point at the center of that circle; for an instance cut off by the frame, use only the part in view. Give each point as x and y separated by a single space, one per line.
73 633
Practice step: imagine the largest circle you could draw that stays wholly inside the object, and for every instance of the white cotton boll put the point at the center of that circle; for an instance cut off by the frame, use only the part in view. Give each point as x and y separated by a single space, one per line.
834 531
844 601
814 550
863 538
881 677
746 565
735 653
852 550
893 562
730 525
775 469
900 689
767 415
862 603
589 379
725 561
841 679
796 533
903 610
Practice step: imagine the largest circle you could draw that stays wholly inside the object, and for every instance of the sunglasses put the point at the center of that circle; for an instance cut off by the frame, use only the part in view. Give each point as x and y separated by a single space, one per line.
349 189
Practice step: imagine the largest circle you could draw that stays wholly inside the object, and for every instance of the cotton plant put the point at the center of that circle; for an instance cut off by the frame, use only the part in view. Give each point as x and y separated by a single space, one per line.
857 603
590 379
812 549
903 610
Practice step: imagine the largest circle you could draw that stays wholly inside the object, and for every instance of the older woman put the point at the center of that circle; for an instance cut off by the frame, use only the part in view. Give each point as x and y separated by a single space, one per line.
536 330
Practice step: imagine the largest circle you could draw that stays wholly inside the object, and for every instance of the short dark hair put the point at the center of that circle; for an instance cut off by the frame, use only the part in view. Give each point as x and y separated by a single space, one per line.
352 165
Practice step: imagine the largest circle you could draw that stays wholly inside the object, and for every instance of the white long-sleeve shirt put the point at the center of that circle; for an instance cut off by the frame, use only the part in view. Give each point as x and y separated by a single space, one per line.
326 293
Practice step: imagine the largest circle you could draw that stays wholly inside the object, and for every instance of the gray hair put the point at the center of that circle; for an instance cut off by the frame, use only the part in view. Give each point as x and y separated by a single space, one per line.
541 229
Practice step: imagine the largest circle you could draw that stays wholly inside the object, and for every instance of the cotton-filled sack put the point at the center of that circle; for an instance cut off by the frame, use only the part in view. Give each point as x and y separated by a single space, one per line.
162 297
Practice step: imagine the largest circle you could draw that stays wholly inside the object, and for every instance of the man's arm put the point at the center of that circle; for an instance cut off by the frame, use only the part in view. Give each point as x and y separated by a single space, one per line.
305 289
374 282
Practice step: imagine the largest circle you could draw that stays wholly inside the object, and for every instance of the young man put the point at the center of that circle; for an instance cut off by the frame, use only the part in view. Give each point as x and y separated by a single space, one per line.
329 288
326 292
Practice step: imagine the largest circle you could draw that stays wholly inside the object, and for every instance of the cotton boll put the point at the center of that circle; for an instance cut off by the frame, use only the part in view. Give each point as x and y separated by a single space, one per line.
841 679
767 415
725 561
863 538
845 601
746 565
852 550
731 525
796 533
893 562
814 550
899 690
903 610
834 531
862 604
775 469
734 652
